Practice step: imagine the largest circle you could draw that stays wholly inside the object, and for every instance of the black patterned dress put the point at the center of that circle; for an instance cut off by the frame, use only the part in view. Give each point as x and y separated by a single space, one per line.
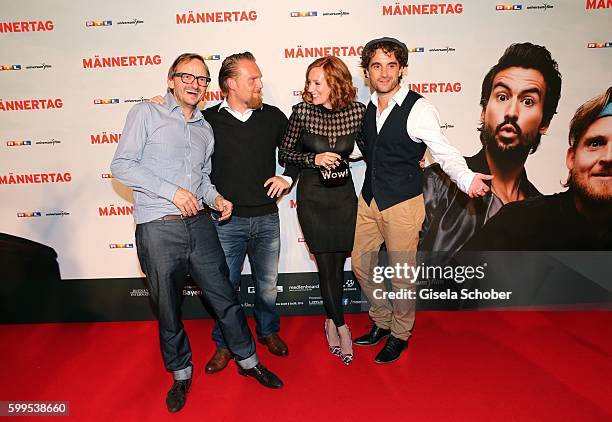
327 215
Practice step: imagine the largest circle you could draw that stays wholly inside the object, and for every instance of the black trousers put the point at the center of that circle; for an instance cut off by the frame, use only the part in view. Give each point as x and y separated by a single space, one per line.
168 251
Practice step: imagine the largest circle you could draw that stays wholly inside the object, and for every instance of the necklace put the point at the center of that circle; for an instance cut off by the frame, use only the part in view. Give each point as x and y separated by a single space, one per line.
516 198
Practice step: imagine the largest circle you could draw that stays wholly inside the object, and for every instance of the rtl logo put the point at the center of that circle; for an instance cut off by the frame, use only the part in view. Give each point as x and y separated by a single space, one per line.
121 245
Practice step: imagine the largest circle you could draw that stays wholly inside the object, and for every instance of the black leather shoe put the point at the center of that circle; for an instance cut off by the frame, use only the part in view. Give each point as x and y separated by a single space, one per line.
373 337
176 397
392 350
261 374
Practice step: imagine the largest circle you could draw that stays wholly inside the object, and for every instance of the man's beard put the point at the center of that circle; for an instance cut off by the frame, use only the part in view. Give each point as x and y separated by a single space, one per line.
502 152
255 102
579 183
390 88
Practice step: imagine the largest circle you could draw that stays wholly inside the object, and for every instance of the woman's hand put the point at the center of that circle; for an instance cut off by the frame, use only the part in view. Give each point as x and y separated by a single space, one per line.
329 160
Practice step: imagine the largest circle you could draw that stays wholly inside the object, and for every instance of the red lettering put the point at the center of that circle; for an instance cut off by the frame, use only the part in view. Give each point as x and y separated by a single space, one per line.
205 17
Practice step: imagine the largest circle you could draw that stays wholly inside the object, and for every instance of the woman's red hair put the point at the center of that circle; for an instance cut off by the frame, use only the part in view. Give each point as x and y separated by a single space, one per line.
339 80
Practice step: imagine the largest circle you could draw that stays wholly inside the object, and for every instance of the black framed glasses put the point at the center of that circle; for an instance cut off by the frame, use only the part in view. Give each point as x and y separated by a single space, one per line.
188 78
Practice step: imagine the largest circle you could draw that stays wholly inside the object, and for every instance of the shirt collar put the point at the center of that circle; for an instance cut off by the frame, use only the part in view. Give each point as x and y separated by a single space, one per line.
224 104
398 98
172 105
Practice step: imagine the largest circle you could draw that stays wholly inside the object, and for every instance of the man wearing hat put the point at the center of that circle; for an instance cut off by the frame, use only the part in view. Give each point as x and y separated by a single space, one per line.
399 125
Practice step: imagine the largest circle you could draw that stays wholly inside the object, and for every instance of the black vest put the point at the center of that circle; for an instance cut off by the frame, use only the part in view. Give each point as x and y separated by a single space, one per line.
393 173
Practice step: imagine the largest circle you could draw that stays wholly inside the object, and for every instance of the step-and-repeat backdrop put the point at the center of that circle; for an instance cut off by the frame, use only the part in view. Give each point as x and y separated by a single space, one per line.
70 71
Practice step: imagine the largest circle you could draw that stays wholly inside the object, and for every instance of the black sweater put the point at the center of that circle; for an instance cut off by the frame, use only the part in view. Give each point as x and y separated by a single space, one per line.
245 157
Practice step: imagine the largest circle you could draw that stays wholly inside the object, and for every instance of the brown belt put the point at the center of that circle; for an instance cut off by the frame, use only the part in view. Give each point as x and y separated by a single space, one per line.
174 217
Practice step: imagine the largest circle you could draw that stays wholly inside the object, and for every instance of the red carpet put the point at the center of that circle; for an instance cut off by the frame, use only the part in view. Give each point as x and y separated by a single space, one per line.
507 366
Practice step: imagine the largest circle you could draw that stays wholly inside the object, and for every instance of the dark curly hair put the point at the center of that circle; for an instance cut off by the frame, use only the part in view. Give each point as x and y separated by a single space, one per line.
401 54
528 56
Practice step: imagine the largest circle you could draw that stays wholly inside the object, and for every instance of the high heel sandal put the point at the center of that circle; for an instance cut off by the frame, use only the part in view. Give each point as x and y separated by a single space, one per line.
333 349
347 358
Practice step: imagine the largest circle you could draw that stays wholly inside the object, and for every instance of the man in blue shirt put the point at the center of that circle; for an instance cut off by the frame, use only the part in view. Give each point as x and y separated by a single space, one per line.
164 155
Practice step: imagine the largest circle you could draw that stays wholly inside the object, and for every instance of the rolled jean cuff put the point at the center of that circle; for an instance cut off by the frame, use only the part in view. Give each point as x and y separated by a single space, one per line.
183 374
249 362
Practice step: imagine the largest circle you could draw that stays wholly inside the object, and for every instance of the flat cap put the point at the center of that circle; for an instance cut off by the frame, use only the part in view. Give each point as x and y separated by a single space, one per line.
385 40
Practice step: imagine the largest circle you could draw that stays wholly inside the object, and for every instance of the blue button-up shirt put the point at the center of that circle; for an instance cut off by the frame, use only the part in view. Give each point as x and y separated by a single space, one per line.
159 152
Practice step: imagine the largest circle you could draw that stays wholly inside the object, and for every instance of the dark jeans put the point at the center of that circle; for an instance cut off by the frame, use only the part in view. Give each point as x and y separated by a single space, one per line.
168 251
259 238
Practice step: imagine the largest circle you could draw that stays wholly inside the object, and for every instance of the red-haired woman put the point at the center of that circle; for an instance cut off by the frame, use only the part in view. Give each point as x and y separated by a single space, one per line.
321 135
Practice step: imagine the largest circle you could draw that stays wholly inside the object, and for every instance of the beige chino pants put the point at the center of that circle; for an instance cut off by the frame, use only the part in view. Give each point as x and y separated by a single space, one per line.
399 228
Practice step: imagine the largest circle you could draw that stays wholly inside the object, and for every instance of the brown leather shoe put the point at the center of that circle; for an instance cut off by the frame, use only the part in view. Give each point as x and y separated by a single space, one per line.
275 344
218 362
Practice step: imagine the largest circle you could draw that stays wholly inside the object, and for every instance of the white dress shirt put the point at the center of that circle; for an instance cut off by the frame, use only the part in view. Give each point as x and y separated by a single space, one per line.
423 125
243 117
